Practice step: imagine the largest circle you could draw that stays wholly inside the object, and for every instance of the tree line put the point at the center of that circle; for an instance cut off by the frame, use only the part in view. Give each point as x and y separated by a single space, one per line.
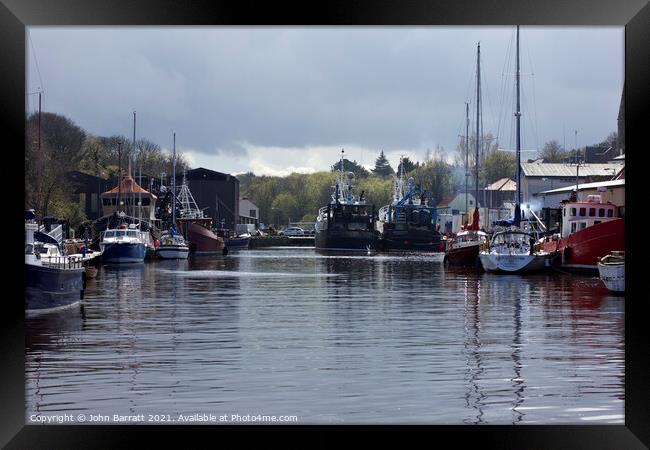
64 147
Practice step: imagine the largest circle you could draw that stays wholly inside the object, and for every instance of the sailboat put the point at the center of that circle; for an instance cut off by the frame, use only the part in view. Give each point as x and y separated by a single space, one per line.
408 223
463 249
172 245
515 250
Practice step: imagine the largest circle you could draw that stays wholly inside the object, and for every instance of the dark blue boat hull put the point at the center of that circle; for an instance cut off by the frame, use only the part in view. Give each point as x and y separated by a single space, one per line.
50 288
124 253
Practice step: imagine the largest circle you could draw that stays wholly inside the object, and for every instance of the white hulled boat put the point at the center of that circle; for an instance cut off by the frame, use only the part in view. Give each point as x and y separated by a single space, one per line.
611 269
515 250
172 245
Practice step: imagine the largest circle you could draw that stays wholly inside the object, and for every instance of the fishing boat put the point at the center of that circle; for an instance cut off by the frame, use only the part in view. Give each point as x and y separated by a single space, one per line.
345 224
515 249
172 245
408 224
49 287
611 269
589 230
195 228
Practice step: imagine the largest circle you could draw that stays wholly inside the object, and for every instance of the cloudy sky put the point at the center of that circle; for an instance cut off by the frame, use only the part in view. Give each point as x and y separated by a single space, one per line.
273 100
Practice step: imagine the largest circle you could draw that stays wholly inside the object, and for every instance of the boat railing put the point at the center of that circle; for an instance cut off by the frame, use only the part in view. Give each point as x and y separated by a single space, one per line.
64 262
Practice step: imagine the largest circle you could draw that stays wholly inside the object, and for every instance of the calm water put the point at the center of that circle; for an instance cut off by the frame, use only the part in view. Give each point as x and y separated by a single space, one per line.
331 339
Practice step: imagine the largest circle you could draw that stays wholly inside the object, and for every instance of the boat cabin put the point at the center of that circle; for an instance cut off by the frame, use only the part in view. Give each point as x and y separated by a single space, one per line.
577 216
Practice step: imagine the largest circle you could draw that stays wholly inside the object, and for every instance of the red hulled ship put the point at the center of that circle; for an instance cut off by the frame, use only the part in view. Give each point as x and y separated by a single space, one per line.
590 230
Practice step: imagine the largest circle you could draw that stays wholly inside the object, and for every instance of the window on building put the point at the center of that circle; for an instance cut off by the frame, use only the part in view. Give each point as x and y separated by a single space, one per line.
252 213
82 199
610 213
573 227
573 212
583 212
583 225
596 222
592 212
601 212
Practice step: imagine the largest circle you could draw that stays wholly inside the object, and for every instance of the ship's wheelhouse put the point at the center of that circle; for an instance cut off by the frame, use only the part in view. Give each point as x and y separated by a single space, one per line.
577 216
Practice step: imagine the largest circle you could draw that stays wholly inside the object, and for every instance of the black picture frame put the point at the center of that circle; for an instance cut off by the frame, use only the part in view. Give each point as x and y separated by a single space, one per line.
15 15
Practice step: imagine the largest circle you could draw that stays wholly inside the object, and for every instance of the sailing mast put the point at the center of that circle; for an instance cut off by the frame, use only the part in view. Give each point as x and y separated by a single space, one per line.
478 108
119 175
466 156
174 186
518 139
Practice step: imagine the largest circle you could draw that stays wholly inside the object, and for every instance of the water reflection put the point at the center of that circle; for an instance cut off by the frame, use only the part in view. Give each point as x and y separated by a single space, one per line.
333 338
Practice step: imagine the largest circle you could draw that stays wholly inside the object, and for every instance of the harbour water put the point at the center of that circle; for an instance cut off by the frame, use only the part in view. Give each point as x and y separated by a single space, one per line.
331 339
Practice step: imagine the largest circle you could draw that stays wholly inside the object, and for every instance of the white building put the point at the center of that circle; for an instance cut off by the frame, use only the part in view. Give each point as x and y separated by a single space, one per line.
538 176
248 212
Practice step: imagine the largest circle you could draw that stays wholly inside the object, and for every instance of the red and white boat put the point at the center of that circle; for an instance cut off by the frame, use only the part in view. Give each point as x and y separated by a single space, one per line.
590 230
463 249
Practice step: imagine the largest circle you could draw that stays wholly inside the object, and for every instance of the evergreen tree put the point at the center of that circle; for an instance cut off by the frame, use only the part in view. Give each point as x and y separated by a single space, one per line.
350 166
409 166
382 166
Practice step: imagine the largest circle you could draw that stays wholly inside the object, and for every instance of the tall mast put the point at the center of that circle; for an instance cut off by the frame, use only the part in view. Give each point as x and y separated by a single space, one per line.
478 108
139 177
518 116
39 178
119 173
466 155
174 184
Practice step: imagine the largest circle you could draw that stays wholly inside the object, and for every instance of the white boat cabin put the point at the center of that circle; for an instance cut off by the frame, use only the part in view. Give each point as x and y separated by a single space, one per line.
577 216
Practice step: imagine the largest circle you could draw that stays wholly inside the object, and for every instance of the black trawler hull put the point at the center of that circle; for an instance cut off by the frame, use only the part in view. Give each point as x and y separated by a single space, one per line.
49 288
410 241
334 240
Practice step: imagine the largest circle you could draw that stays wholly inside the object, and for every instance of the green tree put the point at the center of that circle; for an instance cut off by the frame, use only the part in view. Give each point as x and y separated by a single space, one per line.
62 143
435 176
499 164
552 152
351 166
382 166
409 166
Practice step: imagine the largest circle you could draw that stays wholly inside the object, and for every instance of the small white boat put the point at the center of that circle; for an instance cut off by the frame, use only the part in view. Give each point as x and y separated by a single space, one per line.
611 269
514 251
172 246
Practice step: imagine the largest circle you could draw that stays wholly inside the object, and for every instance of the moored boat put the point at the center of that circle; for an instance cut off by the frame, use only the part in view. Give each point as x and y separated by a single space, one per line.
50 287
408 223
124 244
611 269
345 224
589 230
195 228
172 245
463 248
514 249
